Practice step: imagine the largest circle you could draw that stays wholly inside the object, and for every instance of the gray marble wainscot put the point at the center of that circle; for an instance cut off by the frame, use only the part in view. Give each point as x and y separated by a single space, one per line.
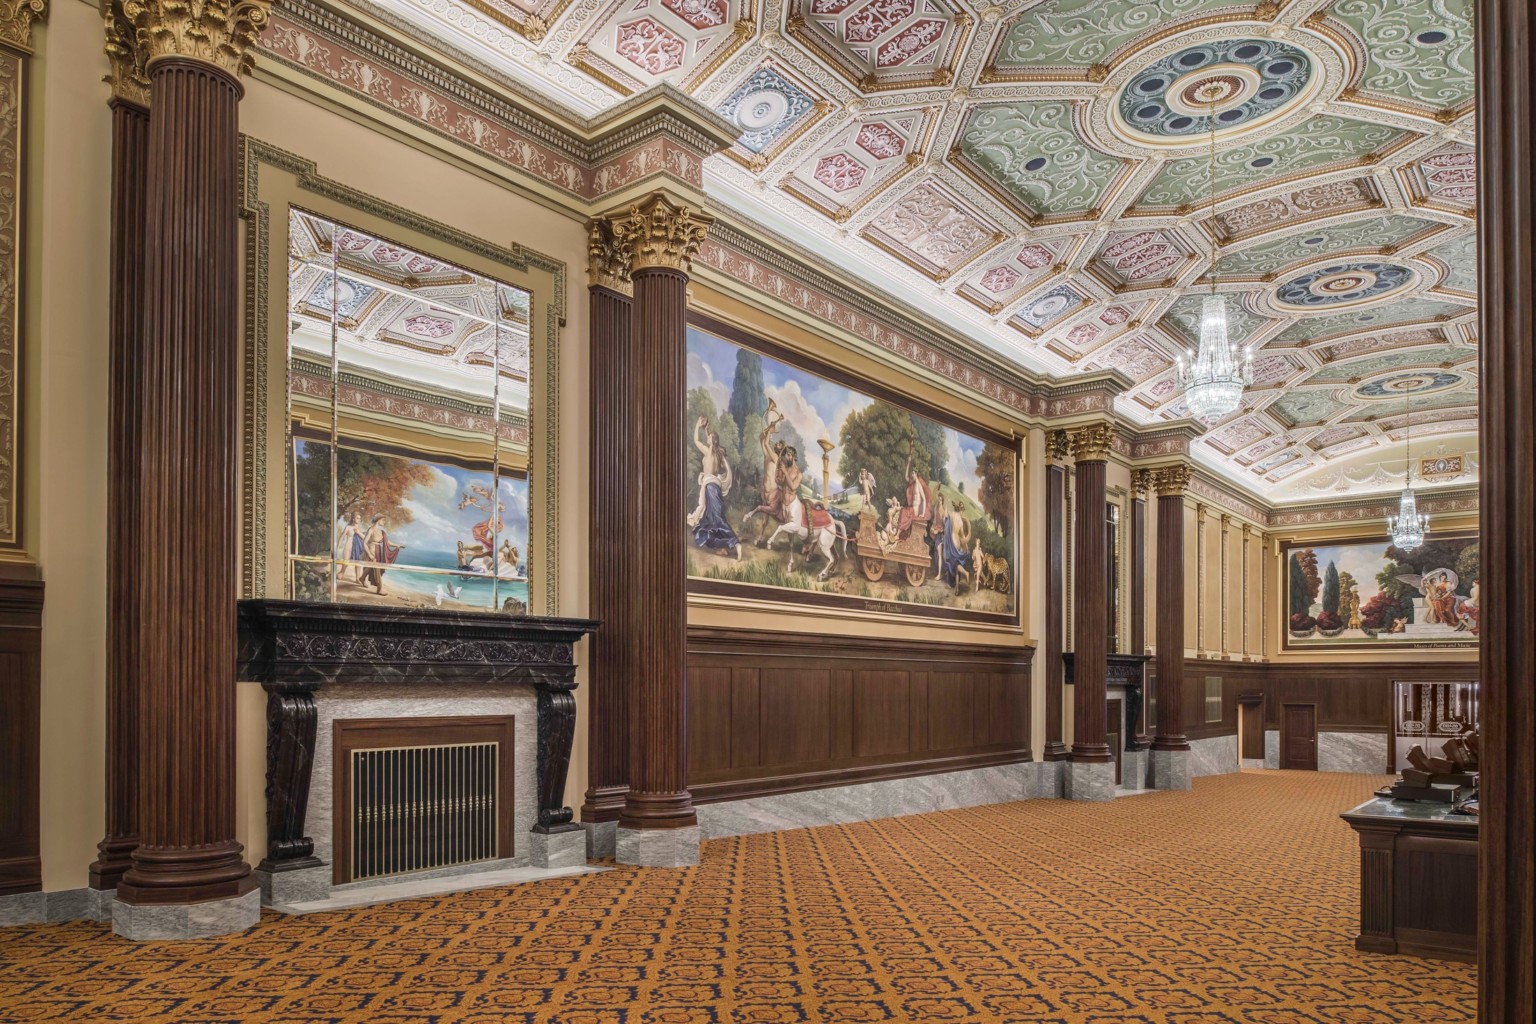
1272 748
1216 755
1364 752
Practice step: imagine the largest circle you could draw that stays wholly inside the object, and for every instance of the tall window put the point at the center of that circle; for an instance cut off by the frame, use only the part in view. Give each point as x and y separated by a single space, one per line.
1213 706
408 424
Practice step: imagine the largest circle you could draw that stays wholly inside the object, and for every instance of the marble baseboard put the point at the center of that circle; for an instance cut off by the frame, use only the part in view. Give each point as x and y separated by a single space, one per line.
1216 755
888 798
1171 770
658 847
57 907
558 850
208 920
299 886
602 838
23 908
369 894
1091 781
1272 749
1364 752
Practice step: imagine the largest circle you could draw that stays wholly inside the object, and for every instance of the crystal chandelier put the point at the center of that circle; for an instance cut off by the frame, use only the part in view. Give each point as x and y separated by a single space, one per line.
1214 379
1407 527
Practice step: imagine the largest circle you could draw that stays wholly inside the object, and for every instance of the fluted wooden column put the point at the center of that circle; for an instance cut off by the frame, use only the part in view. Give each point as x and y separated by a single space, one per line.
188 452
1170 482
615 448
1141 480
660 237
130 147
1090 613
1059 448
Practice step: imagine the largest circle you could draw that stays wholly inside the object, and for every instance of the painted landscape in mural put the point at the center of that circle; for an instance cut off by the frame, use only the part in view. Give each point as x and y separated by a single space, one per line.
825 495
407 531
1373 593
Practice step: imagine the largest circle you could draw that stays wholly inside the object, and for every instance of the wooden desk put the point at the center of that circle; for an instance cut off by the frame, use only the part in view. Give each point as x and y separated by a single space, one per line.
1418 879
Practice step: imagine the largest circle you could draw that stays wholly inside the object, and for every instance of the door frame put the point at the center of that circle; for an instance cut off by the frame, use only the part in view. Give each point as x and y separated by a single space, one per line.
1299 704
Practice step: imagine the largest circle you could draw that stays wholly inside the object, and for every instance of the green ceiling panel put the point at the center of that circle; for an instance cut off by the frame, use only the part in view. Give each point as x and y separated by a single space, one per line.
1460 256
1392 314
1241 324
1428 403
1081 33
1417 51
1373 233
1301 407
1033 153
1314 143
1342 373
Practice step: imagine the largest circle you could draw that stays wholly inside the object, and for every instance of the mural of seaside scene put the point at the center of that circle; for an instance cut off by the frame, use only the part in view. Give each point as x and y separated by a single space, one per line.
1371 593
407 531
802 489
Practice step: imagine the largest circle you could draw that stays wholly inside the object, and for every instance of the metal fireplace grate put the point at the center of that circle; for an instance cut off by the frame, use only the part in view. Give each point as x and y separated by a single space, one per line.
418 808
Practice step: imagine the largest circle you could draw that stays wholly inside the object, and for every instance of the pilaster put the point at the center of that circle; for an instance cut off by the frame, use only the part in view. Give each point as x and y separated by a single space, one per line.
1091 446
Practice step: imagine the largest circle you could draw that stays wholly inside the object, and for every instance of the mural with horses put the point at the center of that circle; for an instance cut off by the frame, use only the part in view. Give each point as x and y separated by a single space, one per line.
805 489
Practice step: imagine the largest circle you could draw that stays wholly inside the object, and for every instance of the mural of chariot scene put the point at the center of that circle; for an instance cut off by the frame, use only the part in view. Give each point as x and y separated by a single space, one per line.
803 489
1371 593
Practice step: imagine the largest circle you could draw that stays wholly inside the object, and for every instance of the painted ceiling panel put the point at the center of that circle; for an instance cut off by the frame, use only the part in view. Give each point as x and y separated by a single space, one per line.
1077 34
1366 233
1416 51
1412 310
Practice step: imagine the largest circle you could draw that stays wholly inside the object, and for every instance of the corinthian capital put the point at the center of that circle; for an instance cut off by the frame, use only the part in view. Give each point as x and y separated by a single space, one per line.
1171 481
607 260
658 233
217 32
16 18
1093 442
127 61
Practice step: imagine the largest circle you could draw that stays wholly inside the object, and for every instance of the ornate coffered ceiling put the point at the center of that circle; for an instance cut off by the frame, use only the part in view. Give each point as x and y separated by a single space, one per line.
1035 175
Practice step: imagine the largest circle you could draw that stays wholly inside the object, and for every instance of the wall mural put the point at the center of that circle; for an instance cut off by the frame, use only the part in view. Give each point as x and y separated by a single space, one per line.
1373 594
803 489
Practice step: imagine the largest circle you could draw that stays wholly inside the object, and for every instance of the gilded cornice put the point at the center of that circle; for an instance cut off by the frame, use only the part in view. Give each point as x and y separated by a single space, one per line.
1093 442
659 233
1171 481
127 71
16 18
217 32
607 260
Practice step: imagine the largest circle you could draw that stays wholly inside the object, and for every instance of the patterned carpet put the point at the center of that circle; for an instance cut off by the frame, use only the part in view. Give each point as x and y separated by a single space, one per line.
1234 903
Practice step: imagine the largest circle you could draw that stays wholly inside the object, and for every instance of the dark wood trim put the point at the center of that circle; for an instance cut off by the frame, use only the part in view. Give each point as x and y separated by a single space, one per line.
1170 624
1506 200
1090 613
349 734
1054 596
1138 576
21 676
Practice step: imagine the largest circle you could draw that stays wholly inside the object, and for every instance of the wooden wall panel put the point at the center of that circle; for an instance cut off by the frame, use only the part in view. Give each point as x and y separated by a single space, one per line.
772 712
21 617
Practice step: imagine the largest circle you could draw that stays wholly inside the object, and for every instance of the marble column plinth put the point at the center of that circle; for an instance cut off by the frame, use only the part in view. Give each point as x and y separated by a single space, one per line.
149 921
1090 780
602 838
1171 769
1133 769
301 885
558 849
658 847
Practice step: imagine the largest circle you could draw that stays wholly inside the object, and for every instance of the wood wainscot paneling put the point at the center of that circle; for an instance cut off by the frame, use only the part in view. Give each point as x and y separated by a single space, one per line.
776 712
21 621
1237 677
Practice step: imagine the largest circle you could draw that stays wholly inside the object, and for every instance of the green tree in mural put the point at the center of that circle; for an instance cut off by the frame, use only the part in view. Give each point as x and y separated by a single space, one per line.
368 485
931 436
1301 602
876 438
1331 589
995 466
748 397
1469 567
1308 560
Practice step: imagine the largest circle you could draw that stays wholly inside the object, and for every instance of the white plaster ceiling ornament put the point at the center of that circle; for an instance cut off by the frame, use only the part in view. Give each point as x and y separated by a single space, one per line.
999 168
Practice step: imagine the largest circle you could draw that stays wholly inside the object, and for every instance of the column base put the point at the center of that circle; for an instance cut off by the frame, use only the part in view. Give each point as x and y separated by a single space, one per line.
558 849
1134 768
1171 769
1090 780
99 903
658 847
142 922
297 885
602 838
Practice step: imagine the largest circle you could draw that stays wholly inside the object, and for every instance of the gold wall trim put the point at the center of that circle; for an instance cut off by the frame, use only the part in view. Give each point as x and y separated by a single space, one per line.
273 179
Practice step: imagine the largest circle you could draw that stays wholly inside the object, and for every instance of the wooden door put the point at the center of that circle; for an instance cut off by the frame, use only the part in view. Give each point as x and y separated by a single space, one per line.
1251 732
1114 734
1298 737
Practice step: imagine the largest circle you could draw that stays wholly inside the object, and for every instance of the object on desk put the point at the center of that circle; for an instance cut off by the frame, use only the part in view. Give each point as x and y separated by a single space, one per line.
1442 793
1468 807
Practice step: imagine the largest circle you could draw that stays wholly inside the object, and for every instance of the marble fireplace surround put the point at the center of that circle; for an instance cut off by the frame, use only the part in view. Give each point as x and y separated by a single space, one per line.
319 662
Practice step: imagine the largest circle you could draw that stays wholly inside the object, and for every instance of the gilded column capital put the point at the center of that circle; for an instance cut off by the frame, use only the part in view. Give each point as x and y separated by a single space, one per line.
16 18
659 233
217 32
1093 442
128 73
1171 481
607 260
1226 522
1058 445
1141 481
1202 511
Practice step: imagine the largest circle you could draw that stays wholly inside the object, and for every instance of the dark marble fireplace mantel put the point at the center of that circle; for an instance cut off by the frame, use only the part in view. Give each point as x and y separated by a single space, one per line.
294 648
1127 671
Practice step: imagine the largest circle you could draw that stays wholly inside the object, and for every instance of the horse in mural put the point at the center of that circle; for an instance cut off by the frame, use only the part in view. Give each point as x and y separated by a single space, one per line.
816 528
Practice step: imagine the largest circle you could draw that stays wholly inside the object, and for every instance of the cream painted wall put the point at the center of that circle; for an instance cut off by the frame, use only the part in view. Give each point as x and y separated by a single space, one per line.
65 439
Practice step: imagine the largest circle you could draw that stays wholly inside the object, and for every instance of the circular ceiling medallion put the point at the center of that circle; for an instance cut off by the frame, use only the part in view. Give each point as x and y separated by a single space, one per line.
761 109
1241 82
1343 284
1408 382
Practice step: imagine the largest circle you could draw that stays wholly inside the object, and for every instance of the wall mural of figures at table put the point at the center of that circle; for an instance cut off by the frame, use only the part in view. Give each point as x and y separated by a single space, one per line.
1374 594
805 489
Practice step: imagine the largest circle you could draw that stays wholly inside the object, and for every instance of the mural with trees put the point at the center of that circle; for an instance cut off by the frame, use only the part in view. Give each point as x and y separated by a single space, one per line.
804 489
1373 594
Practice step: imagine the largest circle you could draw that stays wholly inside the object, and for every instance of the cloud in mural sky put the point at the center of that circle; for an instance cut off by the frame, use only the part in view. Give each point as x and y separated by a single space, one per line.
963 452
701 376
432 506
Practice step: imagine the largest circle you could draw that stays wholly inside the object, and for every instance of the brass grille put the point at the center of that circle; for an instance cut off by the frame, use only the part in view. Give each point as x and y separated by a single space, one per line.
423 807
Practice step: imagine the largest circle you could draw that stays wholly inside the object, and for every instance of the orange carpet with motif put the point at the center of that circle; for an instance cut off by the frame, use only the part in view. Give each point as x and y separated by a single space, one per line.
1236 903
